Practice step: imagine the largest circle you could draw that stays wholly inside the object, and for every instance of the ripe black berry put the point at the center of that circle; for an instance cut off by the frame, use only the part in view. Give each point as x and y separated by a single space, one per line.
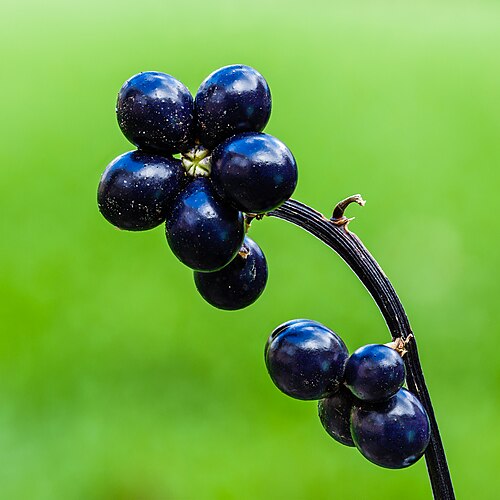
155 112
254 172
238 284
306 360
393 433
374 372
231 100
137 188
335 415
203 232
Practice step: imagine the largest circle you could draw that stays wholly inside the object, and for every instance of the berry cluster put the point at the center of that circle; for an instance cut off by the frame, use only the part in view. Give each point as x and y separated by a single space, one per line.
200 166
361 399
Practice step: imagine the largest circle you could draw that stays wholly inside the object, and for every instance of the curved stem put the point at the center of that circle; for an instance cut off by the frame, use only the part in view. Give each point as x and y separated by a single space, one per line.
334 233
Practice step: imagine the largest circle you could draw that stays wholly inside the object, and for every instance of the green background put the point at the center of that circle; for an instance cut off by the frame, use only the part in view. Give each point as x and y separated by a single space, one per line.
116 380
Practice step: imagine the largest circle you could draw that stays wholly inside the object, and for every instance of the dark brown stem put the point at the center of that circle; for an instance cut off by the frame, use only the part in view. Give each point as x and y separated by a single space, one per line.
334 233
338 216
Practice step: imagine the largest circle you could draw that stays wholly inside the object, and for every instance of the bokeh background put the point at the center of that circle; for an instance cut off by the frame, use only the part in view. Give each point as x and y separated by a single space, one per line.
116 380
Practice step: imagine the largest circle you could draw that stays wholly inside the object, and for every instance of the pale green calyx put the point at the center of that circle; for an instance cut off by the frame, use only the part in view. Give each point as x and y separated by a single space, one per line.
197 161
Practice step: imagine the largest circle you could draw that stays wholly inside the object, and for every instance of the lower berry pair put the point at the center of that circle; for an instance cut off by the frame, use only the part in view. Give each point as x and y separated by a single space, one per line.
361 399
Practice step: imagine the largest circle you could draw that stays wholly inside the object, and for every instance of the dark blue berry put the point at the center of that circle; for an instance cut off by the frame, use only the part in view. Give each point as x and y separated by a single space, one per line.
137 188
306 360
374 372
393 433
155 112
204 232
238 284
254 172
231 100
335 415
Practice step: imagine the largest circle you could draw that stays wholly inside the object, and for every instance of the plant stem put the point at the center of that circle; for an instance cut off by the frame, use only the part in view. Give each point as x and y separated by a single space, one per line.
334 233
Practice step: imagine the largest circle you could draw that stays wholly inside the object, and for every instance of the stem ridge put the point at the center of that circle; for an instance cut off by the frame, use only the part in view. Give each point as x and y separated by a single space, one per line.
351 249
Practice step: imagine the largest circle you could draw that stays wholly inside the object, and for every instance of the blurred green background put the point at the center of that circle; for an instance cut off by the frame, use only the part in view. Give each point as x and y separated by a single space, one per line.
116 380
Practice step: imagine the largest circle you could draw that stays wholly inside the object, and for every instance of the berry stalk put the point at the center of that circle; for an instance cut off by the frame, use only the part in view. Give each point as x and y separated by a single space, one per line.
334 233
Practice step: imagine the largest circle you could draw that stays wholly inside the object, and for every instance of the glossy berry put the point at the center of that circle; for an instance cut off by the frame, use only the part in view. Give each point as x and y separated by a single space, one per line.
155 112
392 434
254 172
137 188
203 232
238 284
374 372
335 415
231 100
306 360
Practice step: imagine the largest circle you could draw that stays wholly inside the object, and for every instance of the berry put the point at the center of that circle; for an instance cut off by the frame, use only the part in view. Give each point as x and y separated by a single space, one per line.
137 188
155 112
254 172
231 100
335 415
306 360
203 232
374 372
392 434
238 284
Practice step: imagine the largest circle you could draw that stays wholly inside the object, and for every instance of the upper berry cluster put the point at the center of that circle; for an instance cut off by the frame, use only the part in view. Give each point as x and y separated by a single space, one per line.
227 168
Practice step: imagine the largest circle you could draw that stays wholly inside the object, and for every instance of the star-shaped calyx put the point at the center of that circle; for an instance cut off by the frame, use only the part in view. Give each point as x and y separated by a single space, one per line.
197 161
